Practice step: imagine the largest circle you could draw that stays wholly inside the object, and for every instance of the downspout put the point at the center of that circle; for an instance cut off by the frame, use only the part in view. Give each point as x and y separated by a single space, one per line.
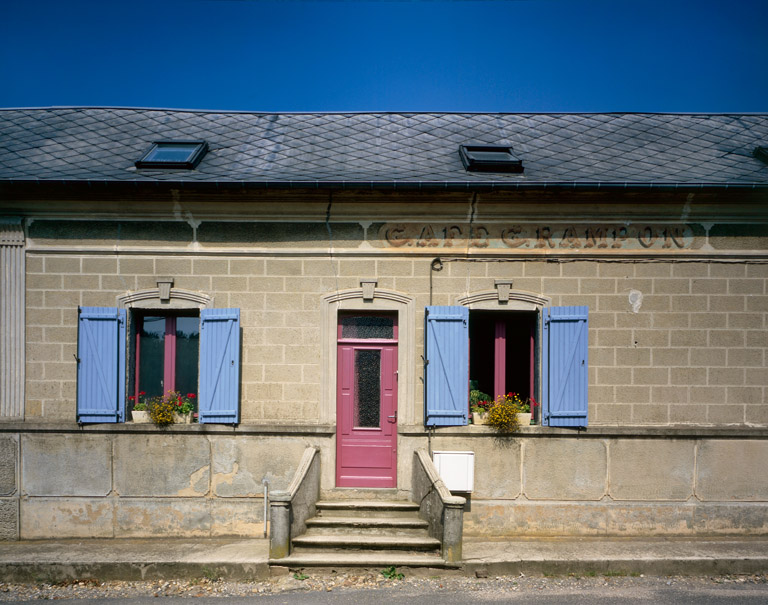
435 265
265 483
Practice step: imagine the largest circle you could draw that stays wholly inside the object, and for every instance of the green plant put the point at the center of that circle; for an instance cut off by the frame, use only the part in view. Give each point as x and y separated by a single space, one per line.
161 409
185 403
525 406
210 574
139 404
479 402
482 405
391 573
300 576
503 414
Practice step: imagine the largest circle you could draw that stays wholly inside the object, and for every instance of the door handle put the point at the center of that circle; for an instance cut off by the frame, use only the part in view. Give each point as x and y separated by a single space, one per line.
394 416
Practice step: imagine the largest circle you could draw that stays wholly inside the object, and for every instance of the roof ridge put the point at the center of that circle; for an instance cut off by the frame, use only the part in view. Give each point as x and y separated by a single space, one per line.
387 112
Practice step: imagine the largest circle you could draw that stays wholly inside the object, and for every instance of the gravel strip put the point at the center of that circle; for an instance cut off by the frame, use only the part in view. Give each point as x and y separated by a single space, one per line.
208 587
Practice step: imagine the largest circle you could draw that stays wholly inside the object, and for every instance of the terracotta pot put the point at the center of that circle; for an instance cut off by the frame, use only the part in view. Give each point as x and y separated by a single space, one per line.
525 418
140 417
478 418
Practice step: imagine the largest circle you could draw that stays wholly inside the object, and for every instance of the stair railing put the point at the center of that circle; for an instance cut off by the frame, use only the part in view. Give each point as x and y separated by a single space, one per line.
443 511
290 509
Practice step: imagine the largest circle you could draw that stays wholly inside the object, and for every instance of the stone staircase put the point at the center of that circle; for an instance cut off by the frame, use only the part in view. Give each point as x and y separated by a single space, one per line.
364 533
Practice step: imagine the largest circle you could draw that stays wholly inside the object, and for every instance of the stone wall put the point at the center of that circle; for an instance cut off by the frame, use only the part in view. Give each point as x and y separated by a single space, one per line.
678 378
676 340
201 481
125 483
652 482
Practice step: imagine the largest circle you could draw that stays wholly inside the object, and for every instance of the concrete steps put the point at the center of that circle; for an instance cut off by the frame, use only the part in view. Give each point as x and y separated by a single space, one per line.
366 542
399 526
373 560
364 533
371 509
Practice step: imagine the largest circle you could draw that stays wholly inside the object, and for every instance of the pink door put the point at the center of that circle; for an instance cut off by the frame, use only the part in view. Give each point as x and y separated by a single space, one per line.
366 403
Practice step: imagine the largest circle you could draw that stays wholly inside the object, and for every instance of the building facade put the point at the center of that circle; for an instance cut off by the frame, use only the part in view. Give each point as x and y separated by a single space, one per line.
336 280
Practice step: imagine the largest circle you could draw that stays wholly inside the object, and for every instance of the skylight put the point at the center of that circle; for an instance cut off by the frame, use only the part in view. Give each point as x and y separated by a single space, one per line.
761 153
173 154
490 158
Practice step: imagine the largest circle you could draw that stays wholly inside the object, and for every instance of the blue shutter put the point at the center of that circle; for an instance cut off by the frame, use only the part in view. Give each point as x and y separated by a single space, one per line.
564 386
100 365
446 382
219 366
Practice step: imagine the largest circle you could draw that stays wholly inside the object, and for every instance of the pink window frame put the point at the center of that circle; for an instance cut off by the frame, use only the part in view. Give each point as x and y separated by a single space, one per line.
392 315
169 355
500 358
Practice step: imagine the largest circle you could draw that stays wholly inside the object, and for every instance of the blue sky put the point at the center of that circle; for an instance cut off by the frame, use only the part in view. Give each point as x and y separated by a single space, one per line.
502 55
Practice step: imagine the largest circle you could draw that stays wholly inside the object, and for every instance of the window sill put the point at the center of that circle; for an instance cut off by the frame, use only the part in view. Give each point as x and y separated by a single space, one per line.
205 429
602 431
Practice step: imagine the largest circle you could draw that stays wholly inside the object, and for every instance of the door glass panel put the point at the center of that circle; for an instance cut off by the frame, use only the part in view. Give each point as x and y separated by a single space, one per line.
367 388
152 355
367 326
187 347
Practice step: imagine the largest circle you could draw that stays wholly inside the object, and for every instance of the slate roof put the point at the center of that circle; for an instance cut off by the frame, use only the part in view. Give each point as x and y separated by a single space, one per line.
385 149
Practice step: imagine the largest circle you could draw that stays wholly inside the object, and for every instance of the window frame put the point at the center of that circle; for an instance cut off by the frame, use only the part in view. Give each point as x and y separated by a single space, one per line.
197 151
507 161
501 319
342 313
169 347
103 373
564 355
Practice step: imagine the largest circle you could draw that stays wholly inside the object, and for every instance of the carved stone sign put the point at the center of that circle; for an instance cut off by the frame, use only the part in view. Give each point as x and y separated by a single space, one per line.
544 236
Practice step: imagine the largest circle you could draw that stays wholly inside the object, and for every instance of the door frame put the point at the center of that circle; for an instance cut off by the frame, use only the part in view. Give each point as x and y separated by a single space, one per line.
409 401
377 438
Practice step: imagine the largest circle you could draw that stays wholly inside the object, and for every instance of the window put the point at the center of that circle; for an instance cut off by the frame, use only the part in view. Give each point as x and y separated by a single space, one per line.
502 351
166 354
173 154
490 158
167 349
450 356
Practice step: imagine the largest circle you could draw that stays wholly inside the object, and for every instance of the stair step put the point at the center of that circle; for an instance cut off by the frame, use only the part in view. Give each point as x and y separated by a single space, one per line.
358 493
367 542
367 504
367 522
377 559
391 526
370 508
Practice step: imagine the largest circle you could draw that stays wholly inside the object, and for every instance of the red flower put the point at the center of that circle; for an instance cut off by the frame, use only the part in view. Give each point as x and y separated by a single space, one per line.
142 392
131 398
191 395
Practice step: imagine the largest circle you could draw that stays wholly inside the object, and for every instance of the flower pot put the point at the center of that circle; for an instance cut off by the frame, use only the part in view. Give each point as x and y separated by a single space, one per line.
182 418
525 418
478 418
140 417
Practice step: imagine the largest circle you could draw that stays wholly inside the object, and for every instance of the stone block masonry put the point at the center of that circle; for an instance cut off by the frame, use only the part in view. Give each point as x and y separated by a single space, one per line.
189 482
678 388
644 331
126 483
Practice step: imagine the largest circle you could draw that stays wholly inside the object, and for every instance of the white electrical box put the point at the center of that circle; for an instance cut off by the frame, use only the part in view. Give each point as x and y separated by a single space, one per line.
457 470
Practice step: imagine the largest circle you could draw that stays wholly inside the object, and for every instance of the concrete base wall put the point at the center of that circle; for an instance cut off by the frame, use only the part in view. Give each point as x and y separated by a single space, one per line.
200 481
140 484
598 483
610 518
